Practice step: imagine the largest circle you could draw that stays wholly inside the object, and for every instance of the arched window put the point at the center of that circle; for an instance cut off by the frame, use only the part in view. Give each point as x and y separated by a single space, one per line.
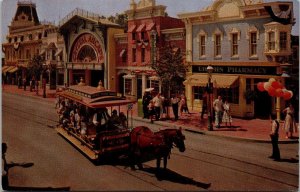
87 54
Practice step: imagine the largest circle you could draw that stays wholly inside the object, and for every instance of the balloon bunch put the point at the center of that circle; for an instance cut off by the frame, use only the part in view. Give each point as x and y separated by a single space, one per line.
275 89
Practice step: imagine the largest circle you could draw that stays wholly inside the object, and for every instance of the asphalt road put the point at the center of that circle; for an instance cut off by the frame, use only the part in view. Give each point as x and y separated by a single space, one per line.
209 163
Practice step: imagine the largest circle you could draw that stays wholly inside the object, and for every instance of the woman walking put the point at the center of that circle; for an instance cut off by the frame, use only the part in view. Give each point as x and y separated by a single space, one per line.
289 122
227 114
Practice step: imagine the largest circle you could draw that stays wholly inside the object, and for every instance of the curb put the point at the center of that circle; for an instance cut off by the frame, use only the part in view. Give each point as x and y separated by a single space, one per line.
211 133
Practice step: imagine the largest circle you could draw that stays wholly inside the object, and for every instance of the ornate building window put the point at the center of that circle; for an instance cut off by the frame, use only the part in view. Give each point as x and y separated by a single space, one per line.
283 41
143 54
253 44
217 45
134 55
217 38
128 86
234 45
86 54
202 38
234 36
271 41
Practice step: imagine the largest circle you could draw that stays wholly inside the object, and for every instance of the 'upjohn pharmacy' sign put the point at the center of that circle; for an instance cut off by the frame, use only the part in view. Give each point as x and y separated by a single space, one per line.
237 70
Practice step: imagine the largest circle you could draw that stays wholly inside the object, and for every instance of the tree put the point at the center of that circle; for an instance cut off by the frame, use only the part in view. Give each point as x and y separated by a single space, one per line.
35 67
171 69
120 19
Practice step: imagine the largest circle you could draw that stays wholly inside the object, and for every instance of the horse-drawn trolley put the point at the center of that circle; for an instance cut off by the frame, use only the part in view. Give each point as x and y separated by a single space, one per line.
92 120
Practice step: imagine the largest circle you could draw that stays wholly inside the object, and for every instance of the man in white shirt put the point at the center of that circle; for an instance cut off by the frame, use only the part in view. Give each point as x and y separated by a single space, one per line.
218 106
157 101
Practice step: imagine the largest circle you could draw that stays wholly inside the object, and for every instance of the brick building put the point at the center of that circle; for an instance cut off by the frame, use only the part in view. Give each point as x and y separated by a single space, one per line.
149 28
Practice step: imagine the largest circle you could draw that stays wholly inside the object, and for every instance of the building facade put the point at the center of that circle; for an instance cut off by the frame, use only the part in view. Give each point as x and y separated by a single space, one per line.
149 29
245 45
24 40
89 48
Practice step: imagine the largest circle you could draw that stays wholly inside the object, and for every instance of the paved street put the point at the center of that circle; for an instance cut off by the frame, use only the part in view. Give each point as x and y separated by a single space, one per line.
209 162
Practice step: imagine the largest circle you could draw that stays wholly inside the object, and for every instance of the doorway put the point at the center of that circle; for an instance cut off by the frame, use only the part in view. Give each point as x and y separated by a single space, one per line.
139 85
96 76
262 103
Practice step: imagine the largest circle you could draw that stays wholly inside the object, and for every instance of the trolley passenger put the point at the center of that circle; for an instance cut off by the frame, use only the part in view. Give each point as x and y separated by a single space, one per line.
100 119
123 119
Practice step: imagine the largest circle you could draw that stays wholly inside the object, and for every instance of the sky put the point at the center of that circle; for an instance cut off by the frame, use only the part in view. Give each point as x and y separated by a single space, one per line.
55 10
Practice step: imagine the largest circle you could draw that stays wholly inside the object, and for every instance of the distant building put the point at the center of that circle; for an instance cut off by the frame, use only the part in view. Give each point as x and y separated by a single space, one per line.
149 29
23 41
246 42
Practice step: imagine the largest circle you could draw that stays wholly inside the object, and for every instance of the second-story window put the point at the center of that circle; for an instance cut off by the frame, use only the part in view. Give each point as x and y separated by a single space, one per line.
235 47
271 41
283 41
133 54
217 45
253 44
142 35
202 45
133 36
143 54
28 56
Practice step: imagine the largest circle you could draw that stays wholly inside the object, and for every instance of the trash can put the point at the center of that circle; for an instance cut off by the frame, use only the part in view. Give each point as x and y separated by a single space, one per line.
140 108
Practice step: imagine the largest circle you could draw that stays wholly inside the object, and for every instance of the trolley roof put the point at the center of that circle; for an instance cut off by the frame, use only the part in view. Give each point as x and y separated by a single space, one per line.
93 97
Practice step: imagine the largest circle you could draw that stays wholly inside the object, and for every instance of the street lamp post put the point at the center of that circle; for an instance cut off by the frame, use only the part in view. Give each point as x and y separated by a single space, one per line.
210 69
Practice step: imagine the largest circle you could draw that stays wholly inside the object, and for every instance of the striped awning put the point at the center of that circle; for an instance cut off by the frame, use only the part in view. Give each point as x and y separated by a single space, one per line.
7 69
131 29
13 70
141 28
4 68
219 81
150 26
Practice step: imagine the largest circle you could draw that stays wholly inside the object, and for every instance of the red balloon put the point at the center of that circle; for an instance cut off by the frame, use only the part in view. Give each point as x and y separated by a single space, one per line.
260 86
287 95
276 85
279 93
272 91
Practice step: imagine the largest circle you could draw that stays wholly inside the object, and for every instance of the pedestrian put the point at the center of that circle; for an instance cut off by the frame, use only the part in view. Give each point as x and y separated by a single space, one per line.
24 83
37 87
274 138
30 85
4 168
227 114
289 122
218 106
204 105
145 102
19 82
183 105
157 101
175 102
151 111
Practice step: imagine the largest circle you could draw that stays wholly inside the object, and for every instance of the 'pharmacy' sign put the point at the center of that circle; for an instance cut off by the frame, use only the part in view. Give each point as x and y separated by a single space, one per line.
249 70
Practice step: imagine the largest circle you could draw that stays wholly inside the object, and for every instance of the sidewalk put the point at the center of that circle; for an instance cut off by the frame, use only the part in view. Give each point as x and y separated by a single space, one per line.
255 130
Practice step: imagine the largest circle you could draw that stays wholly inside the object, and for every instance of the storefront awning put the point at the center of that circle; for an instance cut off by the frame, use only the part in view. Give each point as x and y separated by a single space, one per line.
150 26
7 69
141 28
219 81
13 70
131 29
4 68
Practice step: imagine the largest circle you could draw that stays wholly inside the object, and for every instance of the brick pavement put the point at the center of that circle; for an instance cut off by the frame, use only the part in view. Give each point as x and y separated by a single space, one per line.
253 130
